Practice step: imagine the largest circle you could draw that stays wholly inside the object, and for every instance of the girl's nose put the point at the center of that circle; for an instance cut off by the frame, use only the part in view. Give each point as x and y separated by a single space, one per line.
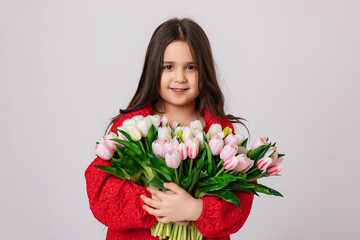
180 77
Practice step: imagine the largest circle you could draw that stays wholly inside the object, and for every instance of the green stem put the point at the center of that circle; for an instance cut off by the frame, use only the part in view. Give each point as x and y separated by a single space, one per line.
220 172
142 146
257 176
251 171
177 177
180 170
191 164
221 161
147 146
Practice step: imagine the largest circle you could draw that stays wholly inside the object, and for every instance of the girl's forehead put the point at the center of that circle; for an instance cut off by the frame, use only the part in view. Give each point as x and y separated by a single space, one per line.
178 51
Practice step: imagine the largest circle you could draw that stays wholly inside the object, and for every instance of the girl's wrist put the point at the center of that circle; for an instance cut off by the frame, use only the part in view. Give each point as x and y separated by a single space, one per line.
197 209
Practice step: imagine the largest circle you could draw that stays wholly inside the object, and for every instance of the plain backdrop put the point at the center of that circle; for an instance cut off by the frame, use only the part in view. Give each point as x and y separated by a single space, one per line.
291 68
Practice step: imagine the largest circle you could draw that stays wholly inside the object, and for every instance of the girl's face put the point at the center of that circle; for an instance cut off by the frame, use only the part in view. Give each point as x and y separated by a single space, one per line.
179 77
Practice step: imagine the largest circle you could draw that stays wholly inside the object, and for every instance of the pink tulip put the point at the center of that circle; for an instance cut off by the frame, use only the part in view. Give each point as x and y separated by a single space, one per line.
228 151
173 159
193 149
164 120
174 125
244 163
158 147
264 163
275 169
171 144
216 144
230 163
110 143
104 151
182 150
190 139
271 151
259 142
231 139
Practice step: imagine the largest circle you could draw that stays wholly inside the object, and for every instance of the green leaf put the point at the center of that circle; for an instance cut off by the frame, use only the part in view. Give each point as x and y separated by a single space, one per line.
133 146
151 135
264 189
126 135
201 161
218 183
227 196
252 154
209 159
244 144
262 153
111 170
156 182
204 137
281 155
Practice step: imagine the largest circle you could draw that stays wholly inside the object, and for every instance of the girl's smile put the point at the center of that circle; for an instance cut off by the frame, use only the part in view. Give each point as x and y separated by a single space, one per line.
179 77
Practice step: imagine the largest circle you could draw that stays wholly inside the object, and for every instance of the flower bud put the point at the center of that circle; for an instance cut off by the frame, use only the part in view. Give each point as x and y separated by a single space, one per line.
228 151
164 133
171 144
193 149
174 125
104 151
216 144
144 125
164 121
275 169
259 142
158 147
155 120
263 163
133 131
182 150
173 159
213 130
244 163
186 134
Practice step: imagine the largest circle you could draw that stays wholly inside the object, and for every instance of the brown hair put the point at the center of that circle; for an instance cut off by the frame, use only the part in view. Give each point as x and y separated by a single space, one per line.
210 95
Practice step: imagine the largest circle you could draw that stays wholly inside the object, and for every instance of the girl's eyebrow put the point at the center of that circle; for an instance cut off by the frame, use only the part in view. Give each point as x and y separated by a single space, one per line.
172 62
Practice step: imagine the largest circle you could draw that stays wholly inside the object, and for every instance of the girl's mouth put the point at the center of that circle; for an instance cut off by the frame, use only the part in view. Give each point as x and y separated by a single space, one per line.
179 90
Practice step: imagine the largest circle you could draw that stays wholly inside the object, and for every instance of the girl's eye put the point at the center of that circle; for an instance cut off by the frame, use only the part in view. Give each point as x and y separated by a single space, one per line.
191 67
168 67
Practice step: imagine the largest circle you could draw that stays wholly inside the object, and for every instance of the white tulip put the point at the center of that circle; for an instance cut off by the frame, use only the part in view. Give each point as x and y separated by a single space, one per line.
164 133
186 134
240 137
144 125
197 125
155 119
213 130
133 131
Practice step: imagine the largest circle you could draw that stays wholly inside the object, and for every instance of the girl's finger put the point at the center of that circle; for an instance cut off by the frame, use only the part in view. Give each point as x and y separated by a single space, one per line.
160 195
152 211
163 219
150 202
173 187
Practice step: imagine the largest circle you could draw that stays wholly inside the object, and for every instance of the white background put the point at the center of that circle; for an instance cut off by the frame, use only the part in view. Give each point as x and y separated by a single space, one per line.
290 67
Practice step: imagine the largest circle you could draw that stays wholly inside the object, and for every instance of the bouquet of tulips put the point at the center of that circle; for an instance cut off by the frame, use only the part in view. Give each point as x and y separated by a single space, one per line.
147 151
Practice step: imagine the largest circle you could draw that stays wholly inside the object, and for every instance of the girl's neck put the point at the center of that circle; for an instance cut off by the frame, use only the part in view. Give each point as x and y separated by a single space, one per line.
182 114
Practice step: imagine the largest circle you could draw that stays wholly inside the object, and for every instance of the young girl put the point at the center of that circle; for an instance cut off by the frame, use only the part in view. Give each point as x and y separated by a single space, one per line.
178 81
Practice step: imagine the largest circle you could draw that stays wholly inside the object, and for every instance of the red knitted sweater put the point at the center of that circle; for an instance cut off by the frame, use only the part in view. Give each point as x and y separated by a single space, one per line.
116 203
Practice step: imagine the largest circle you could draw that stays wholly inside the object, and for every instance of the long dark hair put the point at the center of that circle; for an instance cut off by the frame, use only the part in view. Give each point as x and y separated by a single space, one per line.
210 95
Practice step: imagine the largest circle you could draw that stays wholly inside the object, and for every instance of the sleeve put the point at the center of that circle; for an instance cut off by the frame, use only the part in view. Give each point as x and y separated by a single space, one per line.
113 201
221 218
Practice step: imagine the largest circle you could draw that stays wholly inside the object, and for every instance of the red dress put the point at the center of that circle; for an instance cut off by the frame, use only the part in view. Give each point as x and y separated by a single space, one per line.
116 203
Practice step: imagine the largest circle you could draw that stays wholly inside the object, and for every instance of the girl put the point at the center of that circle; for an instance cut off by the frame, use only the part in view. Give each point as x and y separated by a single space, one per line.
178 81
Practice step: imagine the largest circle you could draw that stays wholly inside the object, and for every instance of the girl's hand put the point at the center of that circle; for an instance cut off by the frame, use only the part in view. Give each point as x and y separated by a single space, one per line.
179 207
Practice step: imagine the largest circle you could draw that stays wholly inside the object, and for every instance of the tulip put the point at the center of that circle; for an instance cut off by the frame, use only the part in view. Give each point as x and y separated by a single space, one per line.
200 138
174 125
244 163
164 121
186 134
241 150
259 142
216 144
158 147
138 117
133 131
107 141
228 151
190 139
173 159
193 149
144 125
171 145
230 163
104 151
129 122
231 139
263 163
155 120
213 130
275 169
164 133
241 138
182 151
196 125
